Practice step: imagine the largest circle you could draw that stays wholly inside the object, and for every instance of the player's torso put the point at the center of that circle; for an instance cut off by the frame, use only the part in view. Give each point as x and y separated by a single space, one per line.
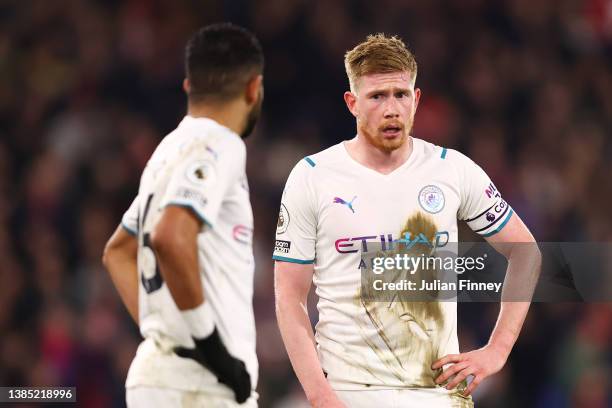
360 210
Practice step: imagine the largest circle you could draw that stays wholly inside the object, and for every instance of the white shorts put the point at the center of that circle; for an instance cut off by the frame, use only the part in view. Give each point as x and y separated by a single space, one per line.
154 397
405 398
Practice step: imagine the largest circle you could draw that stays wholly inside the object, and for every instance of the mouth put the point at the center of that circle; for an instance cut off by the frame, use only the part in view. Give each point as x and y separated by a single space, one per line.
391 131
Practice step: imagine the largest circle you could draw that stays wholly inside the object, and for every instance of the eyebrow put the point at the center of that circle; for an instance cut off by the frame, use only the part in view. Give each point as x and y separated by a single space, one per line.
393 90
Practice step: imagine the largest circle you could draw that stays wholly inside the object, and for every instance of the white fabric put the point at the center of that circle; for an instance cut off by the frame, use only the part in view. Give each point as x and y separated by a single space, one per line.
153 397
199 166
405 398
333 209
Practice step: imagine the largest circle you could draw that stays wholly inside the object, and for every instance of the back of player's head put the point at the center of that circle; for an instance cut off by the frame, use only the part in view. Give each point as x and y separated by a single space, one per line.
378 54
219 61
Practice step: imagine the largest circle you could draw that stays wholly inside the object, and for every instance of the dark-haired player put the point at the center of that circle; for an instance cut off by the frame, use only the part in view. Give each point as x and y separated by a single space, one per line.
182 258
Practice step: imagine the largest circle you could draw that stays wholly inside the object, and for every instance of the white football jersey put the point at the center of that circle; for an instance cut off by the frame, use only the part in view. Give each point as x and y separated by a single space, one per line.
199 166
334 209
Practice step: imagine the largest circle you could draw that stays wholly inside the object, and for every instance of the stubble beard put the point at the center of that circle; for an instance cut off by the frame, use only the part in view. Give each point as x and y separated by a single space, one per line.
381 143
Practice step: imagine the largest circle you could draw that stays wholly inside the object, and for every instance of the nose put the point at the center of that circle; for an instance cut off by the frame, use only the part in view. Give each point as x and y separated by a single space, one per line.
391 109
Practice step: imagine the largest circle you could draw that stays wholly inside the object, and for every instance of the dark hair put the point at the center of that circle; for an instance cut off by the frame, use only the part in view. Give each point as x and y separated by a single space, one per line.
220 59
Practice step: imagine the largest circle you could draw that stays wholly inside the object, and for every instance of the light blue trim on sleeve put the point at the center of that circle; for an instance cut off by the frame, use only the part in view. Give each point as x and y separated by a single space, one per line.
310 161
200 216
292 260
128 229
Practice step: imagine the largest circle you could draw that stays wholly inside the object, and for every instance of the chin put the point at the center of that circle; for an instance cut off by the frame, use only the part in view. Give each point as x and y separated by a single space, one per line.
391 144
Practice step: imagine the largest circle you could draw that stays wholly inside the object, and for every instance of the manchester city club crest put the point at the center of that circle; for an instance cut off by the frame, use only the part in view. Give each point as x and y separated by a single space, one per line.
432 199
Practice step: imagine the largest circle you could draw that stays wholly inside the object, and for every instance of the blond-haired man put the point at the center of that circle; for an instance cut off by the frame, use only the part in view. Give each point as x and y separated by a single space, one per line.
364 192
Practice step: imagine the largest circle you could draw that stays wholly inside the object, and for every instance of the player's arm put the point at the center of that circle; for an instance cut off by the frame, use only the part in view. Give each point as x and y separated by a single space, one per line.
517 244
490 216
174 240
120 260
292 283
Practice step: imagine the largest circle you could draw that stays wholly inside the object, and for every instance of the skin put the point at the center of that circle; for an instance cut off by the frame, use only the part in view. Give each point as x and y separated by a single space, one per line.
120 260
174 238
378 101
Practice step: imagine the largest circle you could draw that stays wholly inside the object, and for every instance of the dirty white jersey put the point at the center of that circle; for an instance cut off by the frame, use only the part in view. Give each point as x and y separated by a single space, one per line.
199 166
334 209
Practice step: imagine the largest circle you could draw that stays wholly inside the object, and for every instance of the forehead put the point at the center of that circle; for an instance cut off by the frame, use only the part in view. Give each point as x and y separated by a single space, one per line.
400 79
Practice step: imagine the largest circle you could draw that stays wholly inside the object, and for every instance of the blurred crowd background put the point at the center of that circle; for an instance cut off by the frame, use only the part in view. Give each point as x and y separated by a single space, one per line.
88 88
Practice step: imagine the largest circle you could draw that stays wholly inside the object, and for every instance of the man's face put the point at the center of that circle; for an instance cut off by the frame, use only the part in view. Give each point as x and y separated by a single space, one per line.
384 105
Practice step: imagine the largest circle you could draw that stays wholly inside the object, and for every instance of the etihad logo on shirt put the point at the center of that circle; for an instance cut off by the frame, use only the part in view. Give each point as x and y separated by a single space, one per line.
349 204
351 245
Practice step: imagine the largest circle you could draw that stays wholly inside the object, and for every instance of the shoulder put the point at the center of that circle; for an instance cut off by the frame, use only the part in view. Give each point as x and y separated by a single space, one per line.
444 156
325 157
317 162
311 167
212 139
432 151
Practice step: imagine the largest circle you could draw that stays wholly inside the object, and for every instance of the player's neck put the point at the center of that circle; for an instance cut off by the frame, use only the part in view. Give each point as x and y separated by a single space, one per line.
377 159
228 114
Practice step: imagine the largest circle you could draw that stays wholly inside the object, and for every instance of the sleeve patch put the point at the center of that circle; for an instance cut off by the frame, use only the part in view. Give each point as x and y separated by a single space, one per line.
282 246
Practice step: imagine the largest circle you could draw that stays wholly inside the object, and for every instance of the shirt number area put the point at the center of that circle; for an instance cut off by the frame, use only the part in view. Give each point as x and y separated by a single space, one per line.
150 276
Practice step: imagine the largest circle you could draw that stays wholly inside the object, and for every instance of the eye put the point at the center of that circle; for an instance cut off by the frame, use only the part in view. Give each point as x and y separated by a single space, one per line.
377 96
401 94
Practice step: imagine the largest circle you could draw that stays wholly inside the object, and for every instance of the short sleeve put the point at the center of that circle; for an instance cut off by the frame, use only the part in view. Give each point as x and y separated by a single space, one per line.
129 221
296 227
482 205
202 178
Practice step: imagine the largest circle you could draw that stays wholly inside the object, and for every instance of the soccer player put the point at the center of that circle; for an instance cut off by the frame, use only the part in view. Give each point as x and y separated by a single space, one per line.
182 258
366 191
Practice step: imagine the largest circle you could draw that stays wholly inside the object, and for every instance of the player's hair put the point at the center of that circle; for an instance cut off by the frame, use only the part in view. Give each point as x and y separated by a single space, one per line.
378 54
219 61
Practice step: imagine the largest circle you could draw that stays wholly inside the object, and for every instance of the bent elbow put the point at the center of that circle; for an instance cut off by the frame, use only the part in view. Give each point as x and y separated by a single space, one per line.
107 254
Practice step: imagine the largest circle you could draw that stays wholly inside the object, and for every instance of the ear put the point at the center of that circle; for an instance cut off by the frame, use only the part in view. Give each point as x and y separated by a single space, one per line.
186 86
417 98
351 102
253 88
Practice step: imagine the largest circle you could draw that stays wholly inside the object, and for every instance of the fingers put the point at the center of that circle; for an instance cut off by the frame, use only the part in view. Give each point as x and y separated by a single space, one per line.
450 358
473 385
460 377
449 372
